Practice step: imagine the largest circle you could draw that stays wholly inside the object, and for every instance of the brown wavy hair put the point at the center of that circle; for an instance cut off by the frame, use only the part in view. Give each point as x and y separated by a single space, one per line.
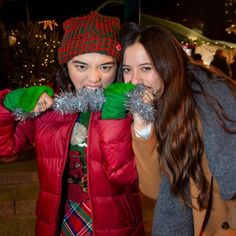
181 146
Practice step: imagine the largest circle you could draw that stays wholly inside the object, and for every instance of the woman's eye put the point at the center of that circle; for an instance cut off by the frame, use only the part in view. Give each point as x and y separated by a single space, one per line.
81 67
126 70
146 68
106 68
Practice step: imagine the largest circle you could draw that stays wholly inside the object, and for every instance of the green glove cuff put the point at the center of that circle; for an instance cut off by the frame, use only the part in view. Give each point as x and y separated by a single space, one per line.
114 106
25 98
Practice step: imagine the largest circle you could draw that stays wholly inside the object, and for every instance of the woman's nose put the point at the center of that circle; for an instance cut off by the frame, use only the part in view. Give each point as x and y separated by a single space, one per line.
136 78
94 76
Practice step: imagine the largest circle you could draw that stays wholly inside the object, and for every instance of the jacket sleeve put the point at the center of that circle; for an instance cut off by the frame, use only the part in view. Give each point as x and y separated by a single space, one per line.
13 135
117 153
148 164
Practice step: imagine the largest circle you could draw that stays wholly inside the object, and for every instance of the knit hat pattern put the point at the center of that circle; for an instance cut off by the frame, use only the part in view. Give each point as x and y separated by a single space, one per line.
93 33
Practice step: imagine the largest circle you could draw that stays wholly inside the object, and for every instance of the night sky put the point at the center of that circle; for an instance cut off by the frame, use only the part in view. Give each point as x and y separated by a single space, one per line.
206 15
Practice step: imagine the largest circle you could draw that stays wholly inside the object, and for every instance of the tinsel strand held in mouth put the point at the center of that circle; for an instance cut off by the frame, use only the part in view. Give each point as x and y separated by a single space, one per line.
68 103
81 101
92 100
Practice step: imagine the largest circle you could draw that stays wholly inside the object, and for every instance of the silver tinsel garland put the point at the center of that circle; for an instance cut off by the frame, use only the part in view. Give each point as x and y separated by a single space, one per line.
92 100
81 101
68 103
22 115
135 105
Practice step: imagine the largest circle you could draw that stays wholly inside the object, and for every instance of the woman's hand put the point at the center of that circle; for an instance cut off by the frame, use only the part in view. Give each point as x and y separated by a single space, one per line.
148 97
44 103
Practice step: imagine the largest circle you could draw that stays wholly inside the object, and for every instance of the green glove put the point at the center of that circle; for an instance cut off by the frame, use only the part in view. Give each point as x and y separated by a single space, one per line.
114 106
25 98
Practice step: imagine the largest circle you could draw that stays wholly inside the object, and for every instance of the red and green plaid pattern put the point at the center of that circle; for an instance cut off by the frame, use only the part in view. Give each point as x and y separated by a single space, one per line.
89 34
77 220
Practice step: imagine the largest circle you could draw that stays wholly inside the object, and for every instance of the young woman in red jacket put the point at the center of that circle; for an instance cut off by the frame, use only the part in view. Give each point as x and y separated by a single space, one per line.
87 174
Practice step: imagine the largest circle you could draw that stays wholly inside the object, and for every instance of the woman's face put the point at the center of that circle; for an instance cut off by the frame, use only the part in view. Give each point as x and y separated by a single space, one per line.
92 70
138 68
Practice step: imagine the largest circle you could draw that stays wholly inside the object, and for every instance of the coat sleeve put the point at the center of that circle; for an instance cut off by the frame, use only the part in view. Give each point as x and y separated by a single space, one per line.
117 153
148 165
13 135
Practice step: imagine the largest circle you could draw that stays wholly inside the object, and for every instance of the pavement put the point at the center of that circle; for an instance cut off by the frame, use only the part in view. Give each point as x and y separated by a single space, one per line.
18 195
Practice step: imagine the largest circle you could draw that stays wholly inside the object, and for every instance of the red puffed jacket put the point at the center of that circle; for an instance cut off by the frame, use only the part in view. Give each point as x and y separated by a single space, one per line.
112 178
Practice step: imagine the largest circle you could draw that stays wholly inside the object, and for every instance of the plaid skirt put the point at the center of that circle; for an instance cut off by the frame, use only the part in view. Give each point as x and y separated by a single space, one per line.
77 220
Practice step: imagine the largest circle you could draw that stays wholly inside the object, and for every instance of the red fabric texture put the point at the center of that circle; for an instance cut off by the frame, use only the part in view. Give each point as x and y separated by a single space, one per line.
112 178
93 33
9 132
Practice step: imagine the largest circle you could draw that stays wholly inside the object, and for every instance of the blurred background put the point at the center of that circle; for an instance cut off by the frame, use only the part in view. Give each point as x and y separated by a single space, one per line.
216 19
31 30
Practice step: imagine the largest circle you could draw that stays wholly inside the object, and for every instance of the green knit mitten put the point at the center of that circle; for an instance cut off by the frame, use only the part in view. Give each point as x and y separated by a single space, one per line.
25 98
114 106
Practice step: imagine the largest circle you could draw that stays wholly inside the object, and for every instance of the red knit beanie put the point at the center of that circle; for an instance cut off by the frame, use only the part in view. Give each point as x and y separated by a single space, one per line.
90 34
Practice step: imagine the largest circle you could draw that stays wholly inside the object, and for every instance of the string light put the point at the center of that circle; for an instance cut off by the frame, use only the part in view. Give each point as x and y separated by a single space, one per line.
196 43
231 29
48 24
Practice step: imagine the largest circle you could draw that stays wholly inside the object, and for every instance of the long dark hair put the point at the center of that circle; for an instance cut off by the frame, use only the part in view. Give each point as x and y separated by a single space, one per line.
63 82
181 146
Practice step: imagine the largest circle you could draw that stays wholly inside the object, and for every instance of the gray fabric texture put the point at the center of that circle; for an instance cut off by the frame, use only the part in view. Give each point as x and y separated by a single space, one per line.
171 217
